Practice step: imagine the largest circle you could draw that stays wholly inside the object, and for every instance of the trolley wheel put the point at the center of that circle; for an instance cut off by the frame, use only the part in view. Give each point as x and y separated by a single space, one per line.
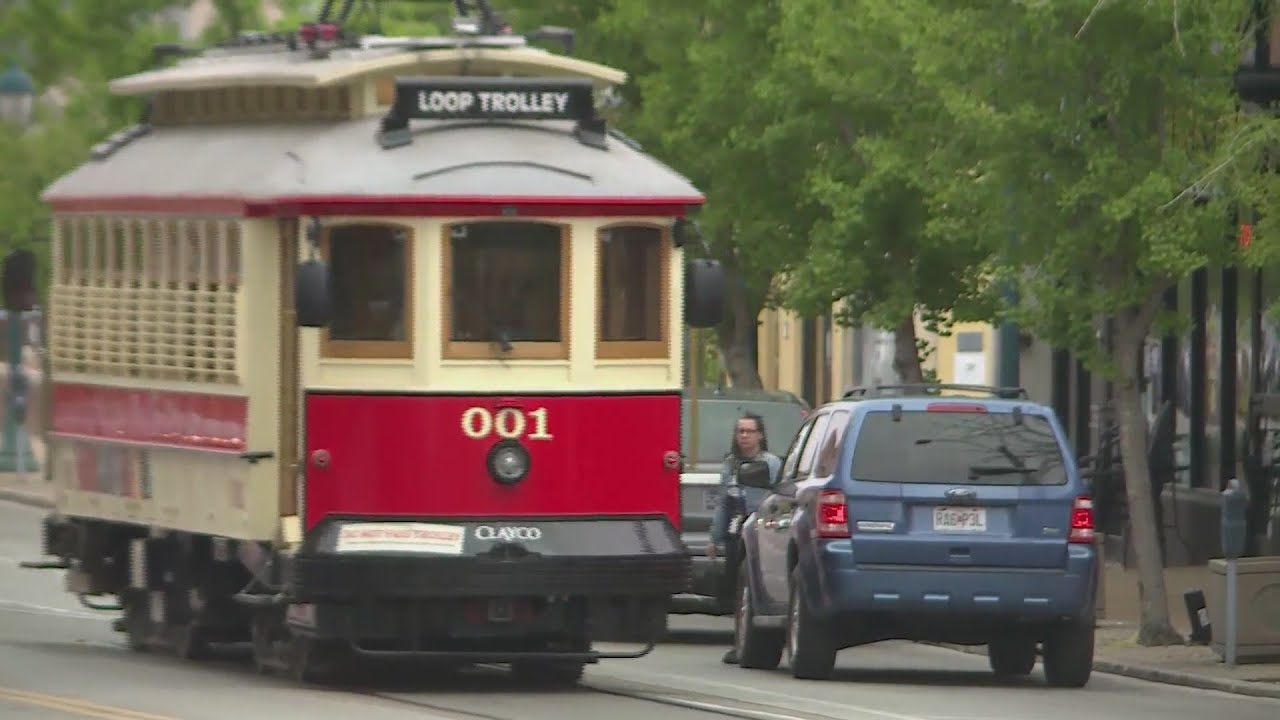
267 635
314 661
136 620
189 641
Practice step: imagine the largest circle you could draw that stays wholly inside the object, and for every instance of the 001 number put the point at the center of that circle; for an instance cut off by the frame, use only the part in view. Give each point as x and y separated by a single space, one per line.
508 423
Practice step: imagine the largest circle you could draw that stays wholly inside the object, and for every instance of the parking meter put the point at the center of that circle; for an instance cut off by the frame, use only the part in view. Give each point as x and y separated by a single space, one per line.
1235 507
1235 504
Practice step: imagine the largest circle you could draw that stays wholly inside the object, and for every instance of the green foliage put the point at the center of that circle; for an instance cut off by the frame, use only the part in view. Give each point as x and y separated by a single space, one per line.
71 48
1092 127
846 77
234 17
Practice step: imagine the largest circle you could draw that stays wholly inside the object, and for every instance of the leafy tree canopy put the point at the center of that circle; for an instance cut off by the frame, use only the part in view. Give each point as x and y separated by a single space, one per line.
1112 136
877 133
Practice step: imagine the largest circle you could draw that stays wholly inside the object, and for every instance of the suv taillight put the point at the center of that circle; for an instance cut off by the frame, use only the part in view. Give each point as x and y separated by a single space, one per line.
1082 521
833 515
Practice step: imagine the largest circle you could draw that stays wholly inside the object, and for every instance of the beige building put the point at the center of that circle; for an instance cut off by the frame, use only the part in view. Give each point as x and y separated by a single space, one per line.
818 360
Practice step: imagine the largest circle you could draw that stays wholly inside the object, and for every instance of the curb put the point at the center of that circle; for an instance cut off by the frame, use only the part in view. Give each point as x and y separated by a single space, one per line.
26 497
1167 677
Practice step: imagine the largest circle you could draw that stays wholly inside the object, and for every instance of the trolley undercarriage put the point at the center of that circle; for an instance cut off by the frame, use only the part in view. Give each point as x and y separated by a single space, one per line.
310 613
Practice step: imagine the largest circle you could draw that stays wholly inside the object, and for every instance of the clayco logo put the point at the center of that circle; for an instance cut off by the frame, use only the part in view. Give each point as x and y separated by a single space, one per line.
489 532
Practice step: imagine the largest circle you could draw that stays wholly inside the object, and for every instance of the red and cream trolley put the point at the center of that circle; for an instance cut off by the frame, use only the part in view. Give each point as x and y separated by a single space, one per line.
373 348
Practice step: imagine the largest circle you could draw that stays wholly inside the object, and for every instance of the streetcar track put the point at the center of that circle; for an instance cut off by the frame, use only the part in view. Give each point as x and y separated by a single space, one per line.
618 687
705 706
640 692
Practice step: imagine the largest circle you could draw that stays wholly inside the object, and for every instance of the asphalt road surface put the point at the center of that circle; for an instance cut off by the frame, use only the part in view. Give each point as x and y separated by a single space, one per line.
59 661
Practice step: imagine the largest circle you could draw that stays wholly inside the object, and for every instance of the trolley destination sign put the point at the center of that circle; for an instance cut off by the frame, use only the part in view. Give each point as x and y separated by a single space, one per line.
480 98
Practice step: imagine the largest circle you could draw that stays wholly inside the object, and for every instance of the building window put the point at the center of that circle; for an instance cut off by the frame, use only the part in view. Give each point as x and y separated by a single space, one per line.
371 266
632 286
506 291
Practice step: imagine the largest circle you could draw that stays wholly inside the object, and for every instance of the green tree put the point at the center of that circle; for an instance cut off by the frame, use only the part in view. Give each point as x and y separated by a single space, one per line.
871 172
1095 126
81 44
701 101
235 17
84 43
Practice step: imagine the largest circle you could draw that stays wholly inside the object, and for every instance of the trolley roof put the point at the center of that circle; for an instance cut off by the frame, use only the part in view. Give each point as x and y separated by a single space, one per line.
340 169
495 166
217 69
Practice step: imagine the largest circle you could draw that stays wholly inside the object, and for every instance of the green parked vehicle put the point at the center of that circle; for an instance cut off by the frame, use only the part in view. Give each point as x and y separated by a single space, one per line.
710 590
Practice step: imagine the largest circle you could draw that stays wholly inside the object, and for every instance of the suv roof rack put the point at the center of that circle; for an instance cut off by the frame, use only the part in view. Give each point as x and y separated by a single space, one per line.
867 391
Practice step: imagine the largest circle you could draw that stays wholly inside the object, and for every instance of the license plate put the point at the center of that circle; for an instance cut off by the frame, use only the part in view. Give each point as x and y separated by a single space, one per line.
710 498
501 611
960 519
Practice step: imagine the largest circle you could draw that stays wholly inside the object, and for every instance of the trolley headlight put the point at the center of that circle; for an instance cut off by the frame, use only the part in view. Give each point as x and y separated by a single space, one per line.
508 462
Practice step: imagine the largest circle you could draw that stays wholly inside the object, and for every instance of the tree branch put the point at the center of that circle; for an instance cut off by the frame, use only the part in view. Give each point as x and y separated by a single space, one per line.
1096 9
1177 33
1198 185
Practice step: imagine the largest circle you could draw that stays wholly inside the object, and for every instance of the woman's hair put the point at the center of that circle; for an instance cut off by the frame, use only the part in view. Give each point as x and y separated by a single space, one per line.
733 439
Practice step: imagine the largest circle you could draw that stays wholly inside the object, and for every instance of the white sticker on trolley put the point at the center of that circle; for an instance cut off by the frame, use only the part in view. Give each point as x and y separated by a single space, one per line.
401 537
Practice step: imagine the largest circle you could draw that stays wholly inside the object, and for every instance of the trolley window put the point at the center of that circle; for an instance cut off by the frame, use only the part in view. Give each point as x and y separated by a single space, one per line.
632 284
371 271
506 291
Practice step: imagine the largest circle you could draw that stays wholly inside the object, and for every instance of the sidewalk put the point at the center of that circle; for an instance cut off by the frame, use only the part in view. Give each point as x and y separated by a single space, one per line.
30 489
1193 665
1118 652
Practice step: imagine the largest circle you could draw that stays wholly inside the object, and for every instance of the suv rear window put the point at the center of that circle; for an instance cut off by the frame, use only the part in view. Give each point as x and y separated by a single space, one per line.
972 448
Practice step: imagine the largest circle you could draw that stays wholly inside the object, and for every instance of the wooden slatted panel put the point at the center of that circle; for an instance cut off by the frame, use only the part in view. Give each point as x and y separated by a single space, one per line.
146 298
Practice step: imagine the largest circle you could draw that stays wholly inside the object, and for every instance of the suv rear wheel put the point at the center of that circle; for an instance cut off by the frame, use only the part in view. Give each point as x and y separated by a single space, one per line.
1012 655
1068 654
809 646
757 649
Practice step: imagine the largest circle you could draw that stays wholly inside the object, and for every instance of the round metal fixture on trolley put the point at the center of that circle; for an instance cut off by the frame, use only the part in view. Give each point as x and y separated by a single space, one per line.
508 462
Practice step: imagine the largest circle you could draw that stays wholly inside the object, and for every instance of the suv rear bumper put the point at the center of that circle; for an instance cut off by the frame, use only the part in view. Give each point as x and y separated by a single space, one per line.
1031 594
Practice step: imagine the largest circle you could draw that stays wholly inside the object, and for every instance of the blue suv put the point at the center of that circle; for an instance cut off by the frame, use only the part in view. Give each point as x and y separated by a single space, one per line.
907 512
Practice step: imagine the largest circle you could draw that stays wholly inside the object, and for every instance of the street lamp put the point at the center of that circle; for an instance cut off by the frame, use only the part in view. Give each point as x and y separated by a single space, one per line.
17 104
17 97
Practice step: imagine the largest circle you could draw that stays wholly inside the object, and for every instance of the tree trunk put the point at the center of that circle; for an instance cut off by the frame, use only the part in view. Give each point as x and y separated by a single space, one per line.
735 334
1155 627
906 352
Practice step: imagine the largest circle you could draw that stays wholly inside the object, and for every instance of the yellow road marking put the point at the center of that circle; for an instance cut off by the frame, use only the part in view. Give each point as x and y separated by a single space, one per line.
76 707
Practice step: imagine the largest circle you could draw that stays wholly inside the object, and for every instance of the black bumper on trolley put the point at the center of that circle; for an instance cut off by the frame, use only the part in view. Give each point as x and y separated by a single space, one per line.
351 560
319 578
438 589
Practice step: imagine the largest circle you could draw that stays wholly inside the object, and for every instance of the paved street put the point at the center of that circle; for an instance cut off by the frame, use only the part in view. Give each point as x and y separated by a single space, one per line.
59 661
